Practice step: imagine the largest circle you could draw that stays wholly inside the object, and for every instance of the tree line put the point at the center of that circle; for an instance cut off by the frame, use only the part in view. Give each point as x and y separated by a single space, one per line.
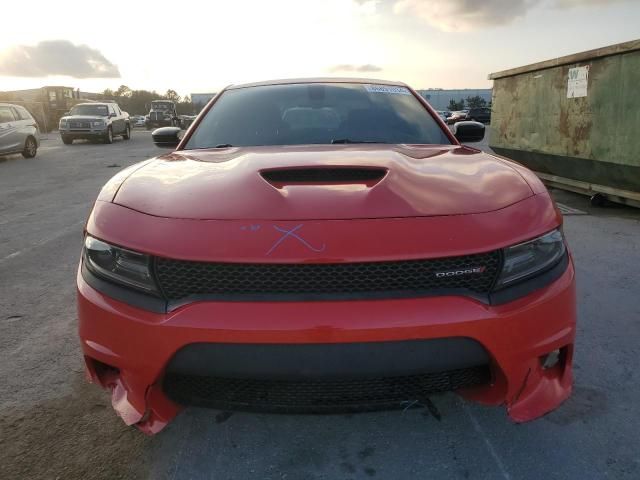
136 102
472 102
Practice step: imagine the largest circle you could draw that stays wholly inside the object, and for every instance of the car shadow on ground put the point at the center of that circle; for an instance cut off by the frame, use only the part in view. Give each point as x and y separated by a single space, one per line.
442 437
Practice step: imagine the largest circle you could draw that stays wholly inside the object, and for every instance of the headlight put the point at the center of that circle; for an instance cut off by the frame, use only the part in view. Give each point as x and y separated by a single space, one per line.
63 123
530 258
98 123
119 265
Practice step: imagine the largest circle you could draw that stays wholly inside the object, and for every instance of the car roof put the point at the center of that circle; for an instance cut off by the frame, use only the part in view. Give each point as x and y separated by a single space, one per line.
287 81
3 104
92 103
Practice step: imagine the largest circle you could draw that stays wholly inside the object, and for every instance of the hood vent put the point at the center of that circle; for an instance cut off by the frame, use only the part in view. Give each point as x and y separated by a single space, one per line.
310 175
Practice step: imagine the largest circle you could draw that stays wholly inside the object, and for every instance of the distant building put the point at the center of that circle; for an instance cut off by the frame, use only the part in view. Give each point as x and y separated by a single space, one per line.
440 98
199 100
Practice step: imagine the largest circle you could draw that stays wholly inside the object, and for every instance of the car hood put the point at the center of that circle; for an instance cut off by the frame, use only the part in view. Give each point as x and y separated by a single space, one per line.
230 183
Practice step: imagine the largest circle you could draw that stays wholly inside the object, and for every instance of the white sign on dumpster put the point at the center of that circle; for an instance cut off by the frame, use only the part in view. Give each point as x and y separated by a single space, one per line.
577 82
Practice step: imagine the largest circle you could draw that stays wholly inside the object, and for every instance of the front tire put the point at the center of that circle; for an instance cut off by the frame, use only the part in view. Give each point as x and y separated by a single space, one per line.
127 133
30 148
67 140
109 136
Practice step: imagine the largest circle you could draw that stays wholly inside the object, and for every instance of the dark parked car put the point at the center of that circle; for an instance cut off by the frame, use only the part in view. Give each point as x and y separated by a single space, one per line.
479 115
18 131
95 121
162 114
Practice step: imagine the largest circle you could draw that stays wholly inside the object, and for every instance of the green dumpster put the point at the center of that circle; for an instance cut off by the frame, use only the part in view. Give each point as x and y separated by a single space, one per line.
574 120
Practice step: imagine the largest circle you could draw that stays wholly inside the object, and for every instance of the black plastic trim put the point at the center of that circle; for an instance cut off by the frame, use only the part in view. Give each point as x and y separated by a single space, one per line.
319 396
328 360
320 297
530 285
124 294
337 174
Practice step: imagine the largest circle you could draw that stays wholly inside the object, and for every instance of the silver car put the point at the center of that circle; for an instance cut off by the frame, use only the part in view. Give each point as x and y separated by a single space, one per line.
18 131
95 121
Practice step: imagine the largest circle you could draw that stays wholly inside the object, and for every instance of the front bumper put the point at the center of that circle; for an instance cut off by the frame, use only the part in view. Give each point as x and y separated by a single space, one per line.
86 134
128 349
158 123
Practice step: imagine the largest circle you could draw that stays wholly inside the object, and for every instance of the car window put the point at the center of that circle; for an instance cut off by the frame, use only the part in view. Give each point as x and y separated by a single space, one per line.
111 110
98 110
6 115
317 113
307 117
24 113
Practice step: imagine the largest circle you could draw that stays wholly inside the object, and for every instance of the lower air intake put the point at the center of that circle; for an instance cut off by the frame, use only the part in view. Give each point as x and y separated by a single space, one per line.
317 396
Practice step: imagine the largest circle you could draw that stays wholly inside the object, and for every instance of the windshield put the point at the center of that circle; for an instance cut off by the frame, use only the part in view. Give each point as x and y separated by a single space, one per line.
95 110
315 113
160 106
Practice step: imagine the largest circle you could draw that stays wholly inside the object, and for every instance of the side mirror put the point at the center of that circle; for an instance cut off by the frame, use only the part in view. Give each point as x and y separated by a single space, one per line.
468 132
112 115
66 114
166 137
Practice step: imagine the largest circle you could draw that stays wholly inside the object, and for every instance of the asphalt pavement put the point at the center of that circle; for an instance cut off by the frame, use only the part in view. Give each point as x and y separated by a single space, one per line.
54 425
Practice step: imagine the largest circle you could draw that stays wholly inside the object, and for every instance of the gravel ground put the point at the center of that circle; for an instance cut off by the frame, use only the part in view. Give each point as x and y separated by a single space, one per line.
54 425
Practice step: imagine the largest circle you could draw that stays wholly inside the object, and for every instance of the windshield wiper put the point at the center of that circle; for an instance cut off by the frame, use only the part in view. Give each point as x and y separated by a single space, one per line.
336 141
223 145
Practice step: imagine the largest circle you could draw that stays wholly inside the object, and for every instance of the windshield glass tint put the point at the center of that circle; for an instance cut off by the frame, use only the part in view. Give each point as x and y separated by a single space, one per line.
315 113
98 110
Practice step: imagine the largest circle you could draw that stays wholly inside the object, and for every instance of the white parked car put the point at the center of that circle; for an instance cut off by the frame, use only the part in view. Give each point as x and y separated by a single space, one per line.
19 131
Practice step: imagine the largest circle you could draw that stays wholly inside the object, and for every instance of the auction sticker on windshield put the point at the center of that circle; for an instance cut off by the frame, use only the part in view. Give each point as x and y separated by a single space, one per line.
387 89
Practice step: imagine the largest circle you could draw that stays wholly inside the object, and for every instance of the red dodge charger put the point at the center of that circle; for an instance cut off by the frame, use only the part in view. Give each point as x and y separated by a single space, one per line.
319 246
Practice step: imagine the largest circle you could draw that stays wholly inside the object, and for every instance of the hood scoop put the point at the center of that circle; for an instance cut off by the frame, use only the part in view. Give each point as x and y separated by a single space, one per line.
281 177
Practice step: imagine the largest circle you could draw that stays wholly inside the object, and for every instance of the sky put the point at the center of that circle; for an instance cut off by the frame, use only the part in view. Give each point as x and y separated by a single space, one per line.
201 46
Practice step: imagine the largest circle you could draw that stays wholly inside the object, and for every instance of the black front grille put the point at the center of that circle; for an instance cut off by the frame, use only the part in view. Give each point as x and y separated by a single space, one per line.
317 395
77 124
156 116
180 279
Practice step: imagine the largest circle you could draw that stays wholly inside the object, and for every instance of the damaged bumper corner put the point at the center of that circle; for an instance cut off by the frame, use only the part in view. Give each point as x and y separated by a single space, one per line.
135 402
543 389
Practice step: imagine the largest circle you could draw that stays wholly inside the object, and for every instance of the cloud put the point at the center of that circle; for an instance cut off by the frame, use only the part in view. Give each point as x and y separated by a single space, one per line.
583 3
347 67
466 15
56 57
